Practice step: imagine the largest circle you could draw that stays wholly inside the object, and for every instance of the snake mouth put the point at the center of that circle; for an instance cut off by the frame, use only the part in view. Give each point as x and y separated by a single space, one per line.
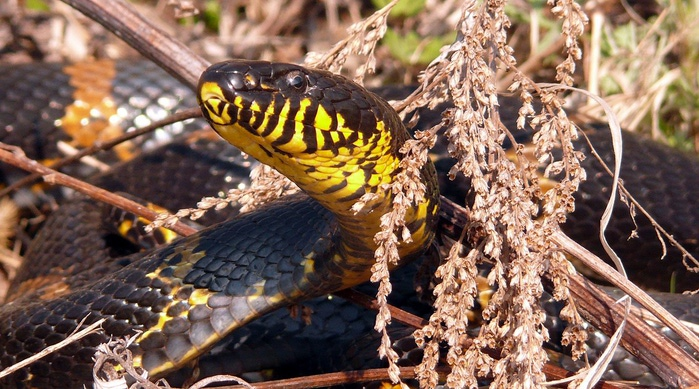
217 110
237 107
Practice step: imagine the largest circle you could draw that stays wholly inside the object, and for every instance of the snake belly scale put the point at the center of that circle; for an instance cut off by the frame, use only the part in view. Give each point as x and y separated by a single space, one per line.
334 139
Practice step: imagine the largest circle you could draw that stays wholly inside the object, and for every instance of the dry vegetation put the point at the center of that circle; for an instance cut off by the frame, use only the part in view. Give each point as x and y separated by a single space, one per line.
512 220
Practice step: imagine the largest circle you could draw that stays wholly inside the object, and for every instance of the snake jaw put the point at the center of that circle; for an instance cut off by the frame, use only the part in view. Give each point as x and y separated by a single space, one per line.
218 106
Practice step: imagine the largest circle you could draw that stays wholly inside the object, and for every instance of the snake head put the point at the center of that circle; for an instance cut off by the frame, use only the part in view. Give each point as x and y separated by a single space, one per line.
335 139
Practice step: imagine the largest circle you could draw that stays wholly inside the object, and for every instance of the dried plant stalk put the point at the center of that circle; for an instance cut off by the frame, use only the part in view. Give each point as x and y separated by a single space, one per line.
507 227
362 39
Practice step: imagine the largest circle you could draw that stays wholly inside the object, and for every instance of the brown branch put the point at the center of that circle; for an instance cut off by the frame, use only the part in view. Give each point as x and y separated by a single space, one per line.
122 19
371 375
331 379
662 355
593 262
14 156
370 302
406 373
672 364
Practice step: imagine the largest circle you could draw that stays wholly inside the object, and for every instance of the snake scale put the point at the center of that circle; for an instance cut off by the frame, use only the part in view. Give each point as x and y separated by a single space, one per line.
310 247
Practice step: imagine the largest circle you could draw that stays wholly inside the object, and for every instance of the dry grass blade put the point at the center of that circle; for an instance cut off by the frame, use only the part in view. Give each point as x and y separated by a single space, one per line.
92 328
600 367
628 287
220 379
595 373
617 146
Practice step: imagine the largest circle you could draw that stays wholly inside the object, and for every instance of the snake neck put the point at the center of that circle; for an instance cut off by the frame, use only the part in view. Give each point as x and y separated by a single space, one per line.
359 229
342 190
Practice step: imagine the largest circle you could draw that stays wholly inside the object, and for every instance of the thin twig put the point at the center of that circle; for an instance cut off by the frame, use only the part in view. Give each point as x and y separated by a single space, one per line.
369 302
355 377
663 233
14 156
331 379
50 349
122 19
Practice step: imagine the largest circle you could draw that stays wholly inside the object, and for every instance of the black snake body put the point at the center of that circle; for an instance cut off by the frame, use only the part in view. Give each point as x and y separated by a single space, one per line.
53 85
187 295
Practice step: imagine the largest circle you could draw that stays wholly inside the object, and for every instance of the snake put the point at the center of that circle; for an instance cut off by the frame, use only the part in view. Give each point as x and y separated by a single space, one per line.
283 115
339 143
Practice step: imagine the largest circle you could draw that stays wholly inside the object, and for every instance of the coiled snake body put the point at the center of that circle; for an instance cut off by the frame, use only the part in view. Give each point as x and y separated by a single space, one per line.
337 142
334 139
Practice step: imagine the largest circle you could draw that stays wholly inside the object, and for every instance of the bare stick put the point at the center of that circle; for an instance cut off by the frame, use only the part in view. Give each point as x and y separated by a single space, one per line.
357 376
94 327
660 230
370 302
593 262
14 156
120 18
664 357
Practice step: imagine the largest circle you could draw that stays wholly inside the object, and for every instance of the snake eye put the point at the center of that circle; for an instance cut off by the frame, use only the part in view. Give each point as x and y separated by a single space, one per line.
296 80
